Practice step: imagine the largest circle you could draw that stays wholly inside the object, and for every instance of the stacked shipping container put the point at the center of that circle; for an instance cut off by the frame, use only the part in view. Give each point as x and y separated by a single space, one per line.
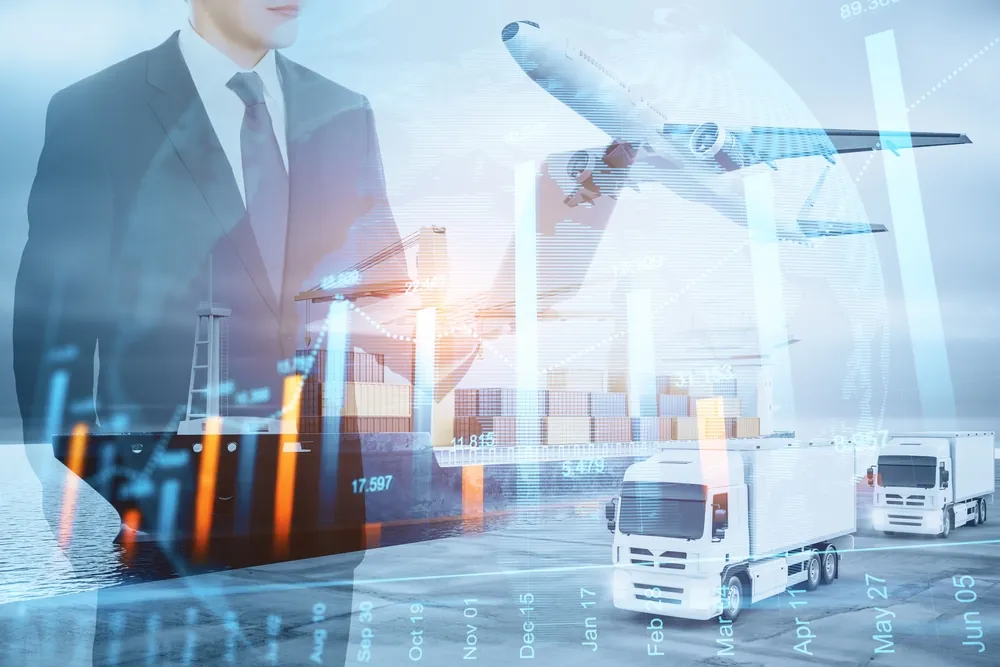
577 407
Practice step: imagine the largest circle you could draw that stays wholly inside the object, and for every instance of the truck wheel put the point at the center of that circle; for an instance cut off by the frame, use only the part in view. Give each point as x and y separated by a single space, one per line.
947 525
829 565
814 571
982 510
732 604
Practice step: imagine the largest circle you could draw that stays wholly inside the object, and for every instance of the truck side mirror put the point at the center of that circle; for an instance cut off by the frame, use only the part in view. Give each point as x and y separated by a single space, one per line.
611 526
720 522
609 509
871 476
945 476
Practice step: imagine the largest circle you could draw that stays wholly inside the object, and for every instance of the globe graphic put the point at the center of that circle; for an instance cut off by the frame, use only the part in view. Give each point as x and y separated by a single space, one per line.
714 297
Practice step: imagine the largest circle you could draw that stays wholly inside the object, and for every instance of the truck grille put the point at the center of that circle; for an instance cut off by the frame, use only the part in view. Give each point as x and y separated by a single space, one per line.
666 559
903 520
658 593
911 501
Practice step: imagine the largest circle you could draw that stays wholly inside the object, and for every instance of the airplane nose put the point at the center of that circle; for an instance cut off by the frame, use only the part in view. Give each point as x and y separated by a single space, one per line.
511 29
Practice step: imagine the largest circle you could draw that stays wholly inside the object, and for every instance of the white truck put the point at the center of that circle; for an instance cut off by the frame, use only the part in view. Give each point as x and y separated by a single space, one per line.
929 483
706 529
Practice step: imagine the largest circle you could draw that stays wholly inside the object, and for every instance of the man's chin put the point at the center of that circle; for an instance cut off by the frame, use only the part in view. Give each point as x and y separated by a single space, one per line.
284 35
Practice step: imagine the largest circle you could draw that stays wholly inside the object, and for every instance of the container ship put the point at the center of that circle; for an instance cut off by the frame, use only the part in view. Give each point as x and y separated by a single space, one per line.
351 474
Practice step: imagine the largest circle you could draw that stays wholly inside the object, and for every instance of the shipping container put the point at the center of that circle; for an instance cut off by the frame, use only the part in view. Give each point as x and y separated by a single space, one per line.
474 432
650 429
563 430
673 406
608 404
568 403
366 399
376 425
676 385
611 429
355 425
747 427
725 387
311 399
518 431
711 406
512 402
683 428
358 366
577 380
466 402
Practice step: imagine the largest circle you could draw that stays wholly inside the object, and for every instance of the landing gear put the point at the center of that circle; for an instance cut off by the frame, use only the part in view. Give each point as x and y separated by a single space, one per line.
829 565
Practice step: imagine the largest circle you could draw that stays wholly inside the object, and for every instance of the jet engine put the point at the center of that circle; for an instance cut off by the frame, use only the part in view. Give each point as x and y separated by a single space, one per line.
578 163
707 140
711 142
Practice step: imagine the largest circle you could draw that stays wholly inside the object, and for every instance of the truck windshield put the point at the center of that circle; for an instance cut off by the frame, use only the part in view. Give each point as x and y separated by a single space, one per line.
907 471
662 509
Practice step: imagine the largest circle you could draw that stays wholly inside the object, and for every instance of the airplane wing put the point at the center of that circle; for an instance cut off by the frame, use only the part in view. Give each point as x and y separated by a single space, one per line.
741 148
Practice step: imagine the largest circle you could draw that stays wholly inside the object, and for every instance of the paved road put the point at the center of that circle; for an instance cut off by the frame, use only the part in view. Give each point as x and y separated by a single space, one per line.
455 600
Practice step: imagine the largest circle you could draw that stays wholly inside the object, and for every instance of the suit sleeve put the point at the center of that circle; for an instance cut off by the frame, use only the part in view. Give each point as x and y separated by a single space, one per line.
454 353
57 306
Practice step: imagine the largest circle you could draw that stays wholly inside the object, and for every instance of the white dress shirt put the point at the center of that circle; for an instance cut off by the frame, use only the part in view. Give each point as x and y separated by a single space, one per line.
211 70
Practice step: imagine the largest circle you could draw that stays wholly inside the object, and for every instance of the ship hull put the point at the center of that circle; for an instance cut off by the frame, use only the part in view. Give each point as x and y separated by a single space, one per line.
347 492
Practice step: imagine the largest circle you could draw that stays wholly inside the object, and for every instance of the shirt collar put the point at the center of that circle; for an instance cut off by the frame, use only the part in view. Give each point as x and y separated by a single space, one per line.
211 69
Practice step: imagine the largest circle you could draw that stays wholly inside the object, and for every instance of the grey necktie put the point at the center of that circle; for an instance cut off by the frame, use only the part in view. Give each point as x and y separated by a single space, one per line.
265 179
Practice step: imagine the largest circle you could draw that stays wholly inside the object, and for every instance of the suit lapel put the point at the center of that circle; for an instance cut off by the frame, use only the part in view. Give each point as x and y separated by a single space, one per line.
180 111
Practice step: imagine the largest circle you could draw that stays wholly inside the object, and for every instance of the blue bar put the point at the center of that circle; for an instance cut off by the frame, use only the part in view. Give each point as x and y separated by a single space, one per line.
641 355
244 482
526 322
930 354
337 326
423 376
772 327
57 401
170 492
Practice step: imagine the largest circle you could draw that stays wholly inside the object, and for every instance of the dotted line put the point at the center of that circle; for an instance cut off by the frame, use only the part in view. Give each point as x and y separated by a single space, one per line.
940 84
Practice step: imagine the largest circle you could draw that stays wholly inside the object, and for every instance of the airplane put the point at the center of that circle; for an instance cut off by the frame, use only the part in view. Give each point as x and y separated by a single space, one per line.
688 159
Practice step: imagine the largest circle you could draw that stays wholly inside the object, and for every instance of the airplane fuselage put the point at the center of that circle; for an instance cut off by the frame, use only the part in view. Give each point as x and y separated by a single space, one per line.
594 92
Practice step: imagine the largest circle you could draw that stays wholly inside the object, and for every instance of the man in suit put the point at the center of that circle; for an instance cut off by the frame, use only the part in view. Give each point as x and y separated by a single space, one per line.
210 167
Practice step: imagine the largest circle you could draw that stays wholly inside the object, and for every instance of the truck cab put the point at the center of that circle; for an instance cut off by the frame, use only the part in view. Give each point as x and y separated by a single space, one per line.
917 488
674 534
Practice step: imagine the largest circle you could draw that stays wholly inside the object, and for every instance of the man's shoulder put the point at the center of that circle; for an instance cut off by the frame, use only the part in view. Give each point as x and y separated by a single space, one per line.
108 87
322 90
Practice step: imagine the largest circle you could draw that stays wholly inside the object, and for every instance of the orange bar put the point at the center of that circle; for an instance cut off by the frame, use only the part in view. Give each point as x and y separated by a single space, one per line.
711 442
373 535
472 492
131 520
76 459
205 499
284 490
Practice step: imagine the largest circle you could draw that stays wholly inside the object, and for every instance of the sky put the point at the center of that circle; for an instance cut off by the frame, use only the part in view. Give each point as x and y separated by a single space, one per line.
455 114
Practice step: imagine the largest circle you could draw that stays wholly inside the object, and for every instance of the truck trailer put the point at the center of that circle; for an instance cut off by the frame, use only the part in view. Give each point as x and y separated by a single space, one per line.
707 528
929 483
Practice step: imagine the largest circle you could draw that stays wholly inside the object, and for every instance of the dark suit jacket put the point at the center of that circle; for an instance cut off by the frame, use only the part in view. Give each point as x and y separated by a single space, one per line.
132 197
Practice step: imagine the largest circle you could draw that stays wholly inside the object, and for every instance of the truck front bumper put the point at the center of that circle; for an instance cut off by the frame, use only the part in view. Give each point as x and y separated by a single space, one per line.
646 591
908 520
